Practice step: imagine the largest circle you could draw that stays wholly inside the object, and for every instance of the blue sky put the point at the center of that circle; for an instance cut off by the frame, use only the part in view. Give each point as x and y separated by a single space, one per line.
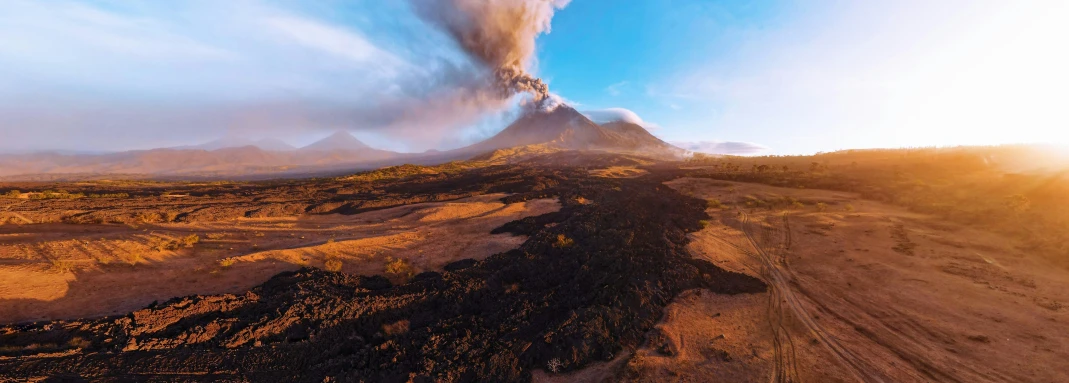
774 77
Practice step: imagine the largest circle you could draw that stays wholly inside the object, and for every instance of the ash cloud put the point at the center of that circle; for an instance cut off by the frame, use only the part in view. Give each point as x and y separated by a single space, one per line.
421 72
498 35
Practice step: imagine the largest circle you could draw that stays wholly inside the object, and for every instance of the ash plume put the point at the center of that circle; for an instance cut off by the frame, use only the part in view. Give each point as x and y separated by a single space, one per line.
498 35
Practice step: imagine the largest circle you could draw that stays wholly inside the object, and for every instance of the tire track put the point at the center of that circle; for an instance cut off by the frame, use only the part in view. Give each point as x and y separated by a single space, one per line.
775 278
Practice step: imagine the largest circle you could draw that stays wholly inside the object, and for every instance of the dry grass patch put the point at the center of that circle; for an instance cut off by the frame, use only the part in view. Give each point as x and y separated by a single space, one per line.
399 269
564 241
619 172
332 264
396 328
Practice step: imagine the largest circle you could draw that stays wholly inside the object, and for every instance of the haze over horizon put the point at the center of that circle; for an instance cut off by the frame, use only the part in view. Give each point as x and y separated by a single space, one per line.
771 77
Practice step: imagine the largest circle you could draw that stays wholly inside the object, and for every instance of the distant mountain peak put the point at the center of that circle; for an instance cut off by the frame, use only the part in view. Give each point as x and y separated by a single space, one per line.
340 140
272 144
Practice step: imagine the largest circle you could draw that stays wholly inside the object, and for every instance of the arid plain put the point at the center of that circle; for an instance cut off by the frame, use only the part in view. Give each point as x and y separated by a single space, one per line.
853 288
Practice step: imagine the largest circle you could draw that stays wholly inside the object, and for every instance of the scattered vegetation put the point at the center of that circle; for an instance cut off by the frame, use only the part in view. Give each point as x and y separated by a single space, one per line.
399 268
554 365
55 194
168 216
396 328
190 240
1018 191
12 194
62 266
713 204
109 195
161 244
131 258
822 207
407 170
564 241
147 216
79 343
226 262
332 264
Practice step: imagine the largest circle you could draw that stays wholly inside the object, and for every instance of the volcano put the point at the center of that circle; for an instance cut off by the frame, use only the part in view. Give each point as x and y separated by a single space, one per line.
564 128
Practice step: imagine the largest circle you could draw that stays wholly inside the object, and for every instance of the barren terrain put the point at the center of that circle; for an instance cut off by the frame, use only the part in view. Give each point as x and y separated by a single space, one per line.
600 268
863 291
52 271
566 268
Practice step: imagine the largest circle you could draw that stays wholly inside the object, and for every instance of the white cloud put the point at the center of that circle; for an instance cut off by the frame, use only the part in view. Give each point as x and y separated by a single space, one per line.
617 88
66 31
894 73
602 116
722 147
333 40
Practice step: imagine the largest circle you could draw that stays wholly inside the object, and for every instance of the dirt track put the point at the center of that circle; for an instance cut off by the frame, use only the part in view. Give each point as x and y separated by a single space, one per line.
880 294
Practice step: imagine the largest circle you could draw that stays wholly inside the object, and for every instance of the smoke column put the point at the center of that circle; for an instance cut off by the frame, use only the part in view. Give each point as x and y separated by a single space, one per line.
498 34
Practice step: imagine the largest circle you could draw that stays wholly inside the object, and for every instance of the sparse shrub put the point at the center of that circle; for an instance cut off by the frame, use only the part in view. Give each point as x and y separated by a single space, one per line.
564 241
13 194
849 208
226 262
190 240
399 267
332 264
822 206
168 216
713 204
217 235
109 195
161 244
396 328
147 216
704 223
79 343
554 365
512 288
132 258
61 266
797 205
55 194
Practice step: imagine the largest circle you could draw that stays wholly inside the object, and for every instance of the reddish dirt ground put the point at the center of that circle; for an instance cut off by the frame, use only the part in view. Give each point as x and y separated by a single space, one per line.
862 291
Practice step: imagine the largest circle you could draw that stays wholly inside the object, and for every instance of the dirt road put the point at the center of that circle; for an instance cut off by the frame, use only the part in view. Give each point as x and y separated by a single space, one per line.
862 291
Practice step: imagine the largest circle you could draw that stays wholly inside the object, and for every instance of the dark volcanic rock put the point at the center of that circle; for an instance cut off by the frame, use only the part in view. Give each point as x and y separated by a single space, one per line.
590 281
